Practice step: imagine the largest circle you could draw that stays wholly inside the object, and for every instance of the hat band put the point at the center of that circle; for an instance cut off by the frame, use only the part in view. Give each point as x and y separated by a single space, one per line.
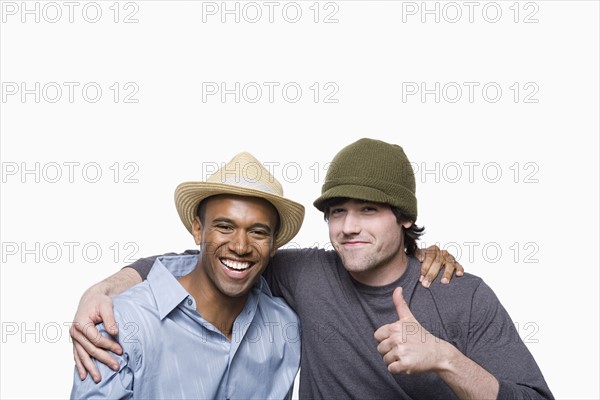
249 184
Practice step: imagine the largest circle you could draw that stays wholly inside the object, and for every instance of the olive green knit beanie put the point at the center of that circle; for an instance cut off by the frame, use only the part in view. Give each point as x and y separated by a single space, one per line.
371 170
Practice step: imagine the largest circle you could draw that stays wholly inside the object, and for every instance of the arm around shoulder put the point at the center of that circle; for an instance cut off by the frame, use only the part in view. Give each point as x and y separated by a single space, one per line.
116 283
143 265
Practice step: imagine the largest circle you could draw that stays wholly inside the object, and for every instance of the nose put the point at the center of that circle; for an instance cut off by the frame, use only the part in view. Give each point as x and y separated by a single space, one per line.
351 224
239 244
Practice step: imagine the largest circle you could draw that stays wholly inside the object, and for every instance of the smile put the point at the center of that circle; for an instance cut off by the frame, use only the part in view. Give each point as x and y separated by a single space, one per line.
354 243
236 265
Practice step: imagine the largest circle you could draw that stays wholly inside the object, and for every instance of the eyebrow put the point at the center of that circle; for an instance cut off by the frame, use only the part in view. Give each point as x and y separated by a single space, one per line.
230 221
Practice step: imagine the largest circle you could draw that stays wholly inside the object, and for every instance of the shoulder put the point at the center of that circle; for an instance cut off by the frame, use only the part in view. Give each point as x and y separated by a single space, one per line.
460 294
136 310
135 297
292 267
458 286
303 257
467 295
274 308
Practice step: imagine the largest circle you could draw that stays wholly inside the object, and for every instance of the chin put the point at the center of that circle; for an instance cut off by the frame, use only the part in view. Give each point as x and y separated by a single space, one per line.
236 292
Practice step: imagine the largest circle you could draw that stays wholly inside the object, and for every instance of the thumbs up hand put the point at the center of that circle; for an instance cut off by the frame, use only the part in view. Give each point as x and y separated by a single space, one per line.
406 346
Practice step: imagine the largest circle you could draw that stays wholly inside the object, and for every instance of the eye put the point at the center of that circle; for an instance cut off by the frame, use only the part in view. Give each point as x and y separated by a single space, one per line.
224 227
336 211
369 209
261 233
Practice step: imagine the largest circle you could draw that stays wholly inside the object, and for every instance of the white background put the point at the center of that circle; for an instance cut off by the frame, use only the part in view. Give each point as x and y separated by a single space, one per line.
541 213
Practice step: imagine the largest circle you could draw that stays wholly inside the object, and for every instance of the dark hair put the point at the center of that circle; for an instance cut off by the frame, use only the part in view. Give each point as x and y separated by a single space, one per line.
201 212
411 234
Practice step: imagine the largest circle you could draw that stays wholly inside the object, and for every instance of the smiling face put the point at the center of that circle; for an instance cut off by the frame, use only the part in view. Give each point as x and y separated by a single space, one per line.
237 236
369 240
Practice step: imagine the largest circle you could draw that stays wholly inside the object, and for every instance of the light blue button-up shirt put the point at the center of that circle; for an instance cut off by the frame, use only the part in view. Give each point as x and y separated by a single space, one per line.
170 351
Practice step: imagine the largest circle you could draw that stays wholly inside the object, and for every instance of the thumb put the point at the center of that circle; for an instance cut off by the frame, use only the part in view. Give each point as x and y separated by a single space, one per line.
401 306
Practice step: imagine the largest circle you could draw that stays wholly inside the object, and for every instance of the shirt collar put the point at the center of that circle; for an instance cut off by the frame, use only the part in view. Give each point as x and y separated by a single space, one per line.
168 292
261 286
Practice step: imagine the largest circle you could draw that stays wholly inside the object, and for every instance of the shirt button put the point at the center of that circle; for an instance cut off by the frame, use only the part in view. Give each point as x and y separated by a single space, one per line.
190 302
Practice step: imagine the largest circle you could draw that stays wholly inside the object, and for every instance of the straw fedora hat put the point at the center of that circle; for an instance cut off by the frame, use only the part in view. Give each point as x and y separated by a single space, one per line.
244 175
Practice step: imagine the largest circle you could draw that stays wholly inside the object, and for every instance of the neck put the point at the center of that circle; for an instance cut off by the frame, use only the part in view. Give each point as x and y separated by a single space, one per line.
215 307
383 274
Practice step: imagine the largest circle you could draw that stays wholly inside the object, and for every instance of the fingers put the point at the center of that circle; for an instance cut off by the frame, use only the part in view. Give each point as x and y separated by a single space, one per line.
399 366
431 265
447 273
76 335
86 363
394 358
433 272
92 344
108 344
110 324
394 353
108 317
389 351
86 350
79 365
382 333
434 260
93 340
384 347
420 254
391 358
427 257
460 271
450 268
87 340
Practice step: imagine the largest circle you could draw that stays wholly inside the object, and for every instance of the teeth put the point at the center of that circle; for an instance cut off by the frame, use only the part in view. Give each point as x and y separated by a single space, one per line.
240 266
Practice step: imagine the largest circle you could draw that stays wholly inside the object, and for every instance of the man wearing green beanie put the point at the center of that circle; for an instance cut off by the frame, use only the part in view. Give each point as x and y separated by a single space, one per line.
369 329
369 202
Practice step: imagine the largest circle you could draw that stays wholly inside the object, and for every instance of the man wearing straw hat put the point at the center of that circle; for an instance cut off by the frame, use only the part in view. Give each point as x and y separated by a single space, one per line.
215 331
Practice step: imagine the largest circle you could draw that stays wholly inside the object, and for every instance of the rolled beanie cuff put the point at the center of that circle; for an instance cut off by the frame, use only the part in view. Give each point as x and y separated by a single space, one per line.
405 200
382 185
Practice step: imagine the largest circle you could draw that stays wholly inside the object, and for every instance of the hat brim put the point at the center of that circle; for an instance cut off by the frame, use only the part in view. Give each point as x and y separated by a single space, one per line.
356 192
189 194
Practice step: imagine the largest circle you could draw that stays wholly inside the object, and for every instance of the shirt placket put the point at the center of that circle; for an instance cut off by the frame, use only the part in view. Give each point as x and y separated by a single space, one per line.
240 327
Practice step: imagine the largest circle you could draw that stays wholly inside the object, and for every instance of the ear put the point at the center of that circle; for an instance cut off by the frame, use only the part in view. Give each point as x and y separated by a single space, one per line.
197 230
407 224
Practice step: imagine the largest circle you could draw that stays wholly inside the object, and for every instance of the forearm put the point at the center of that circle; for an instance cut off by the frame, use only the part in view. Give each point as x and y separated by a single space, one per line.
116 283
127 277
144 265
465 377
